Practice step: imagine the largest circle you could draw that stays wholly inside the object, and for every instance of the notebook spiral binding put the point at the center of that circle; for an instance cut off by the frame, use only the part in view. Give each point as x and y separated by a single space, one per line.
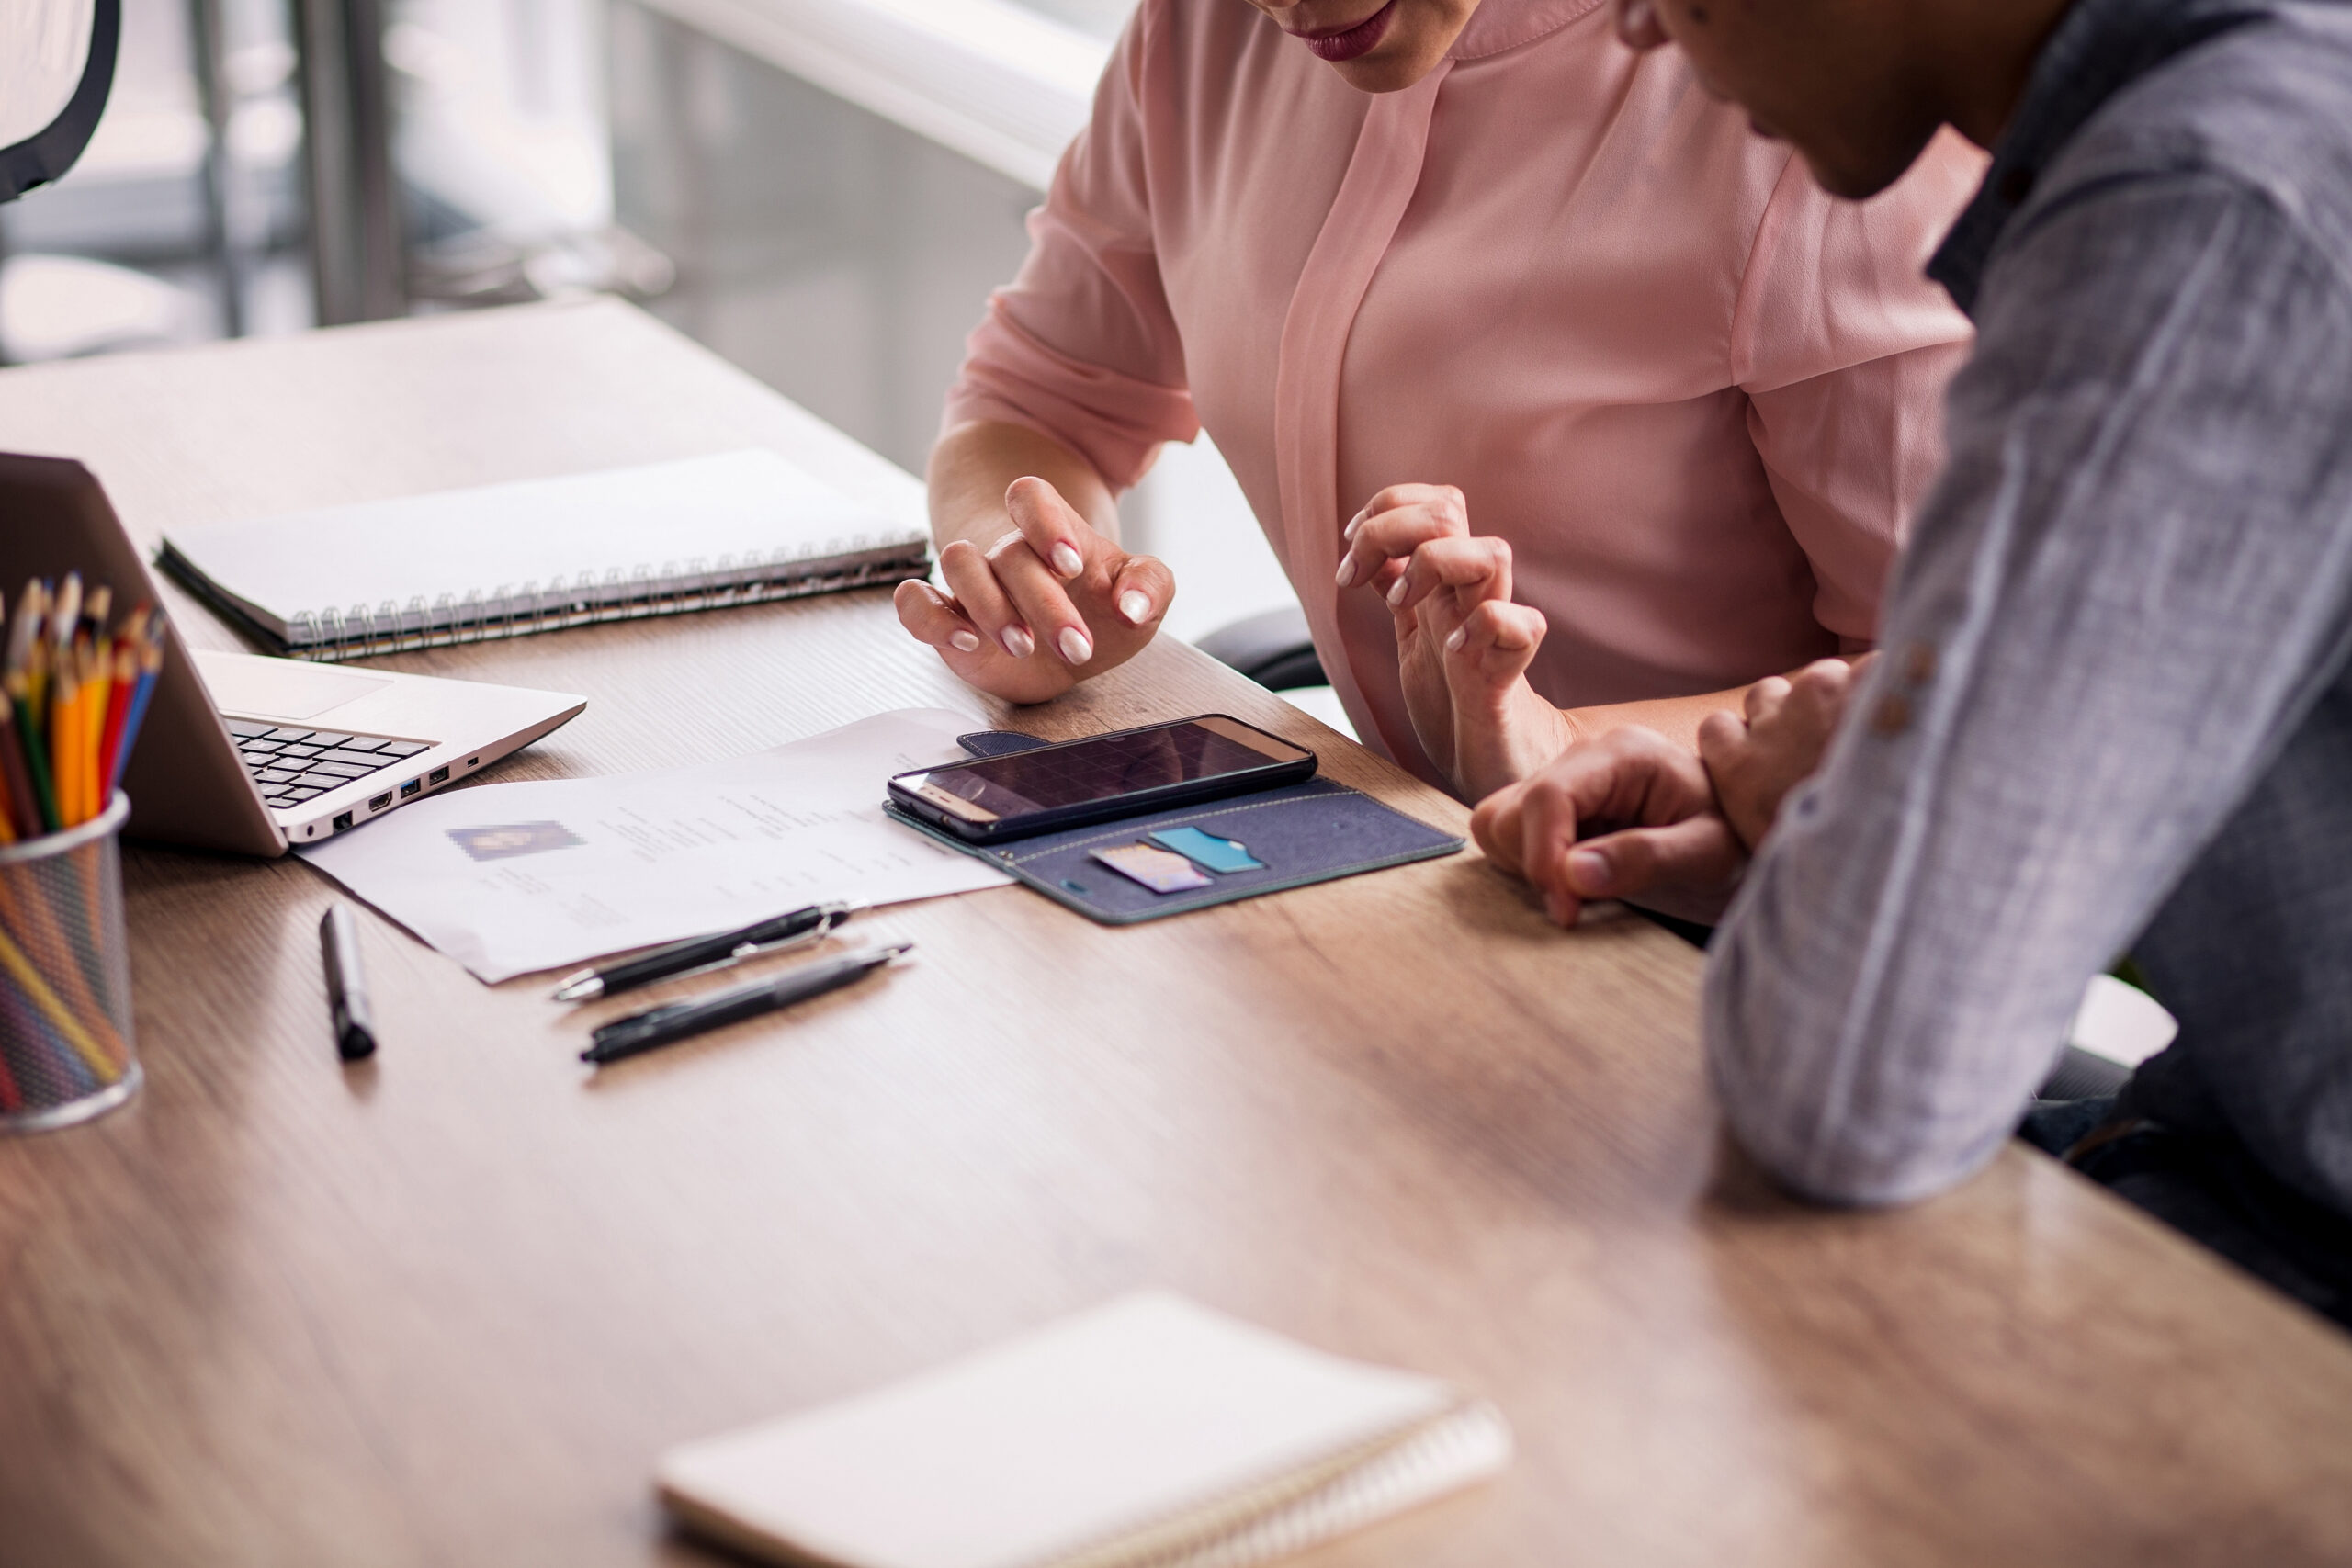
508 611
1290 1516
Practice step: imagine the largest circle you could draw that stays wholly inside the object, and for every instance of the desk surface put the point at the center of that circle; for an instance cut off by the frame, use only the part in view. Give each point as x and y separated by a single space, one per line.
445 1307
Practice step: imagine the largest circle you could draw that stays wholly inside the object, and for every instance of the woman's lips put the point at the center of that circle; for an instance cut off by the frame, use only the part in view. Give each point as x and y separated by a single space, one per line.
1336 44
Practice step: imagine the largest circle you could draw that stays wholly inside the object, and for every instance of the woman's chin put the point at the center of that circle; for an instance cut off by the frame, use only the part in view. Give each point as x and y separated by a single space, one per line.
1387 70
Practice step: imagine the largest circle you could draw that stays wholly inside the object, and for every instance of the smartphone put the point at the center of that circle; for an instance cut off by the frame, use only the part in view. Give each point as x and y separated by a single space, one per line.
1124 773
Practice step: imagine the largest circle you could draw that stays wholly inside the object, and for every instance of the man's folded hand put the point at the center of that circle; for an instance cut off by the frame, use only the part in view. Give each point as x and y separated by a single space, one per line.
1754 763
1628 816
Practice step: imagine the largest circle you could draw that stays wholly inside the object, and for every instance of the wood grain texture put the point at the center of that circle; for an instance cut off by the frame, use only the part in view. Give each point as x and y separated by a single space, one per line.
444 1306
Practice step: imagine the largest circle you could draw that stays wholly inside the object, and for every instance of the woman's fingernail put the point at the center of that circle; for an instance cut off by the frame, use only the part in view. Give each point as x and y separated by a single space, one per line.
1396 594
1347 572
1066 561
963 642
1017 642
1353 523
1461 635
1588 869
1136 606
1074 646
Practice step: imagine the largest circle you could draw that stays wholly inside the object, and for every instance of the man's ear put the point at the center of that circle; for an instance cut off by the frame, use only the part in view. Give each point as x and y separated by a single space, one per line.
1637 24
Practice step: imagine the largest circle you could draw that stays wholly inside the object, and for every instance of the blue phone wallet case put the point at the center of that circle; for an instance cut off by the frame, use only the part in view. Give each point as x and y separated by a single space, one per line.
1300 834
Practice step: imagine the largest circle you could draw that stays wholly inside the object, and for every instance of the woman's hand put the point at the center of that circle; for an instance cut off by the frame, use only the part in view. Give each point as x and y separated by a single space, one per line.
1045 605
1463 647
1629 815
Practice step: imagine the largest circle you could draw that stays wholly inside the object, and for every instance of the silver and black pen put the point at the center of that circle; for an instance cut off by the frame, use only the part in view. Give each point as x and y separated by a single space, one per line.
722 948
678 1021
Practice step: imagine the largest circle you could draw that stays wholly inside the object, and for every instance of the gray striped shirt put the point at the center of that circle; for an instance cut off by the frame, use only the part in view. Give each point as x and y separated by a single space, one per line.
2114 710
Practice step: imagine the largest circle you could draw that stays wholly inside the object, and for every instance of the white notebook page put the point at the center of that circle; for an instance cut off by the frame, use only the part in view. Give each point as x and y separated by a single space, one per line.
1089 1430
657 519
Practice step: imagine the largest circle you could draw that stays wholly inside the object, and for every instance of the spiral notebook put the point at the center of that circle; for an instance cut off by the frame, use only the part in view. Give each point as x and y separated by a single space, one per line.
512 559
1149 1433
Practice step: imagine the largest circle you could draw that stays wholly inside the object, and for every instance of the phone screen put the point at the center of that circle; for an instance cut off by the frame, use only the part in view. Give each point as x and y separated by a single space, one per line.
1104 768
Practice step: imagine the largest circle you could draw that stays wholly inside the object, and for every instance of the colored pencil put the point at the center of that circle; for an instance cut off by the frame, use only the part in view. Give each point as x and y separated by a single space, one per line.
29 739
63 687
150 665
23 805
97 605
25 626
26 641
124 658
65 611
95 674
64 757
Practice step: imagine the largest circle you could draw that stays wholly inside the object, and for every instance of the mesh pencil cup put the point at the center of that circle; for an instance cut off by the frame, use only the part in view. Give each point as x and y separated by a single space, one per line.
64 977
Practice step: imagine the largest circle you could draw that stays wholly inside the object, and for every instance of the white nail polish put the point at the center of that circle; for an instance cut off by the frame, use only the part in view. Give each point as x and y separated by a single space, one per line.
964 642
1396 594
1074 646
1066 561
1017 642
1461 635
1136 606
1353 523
1347 572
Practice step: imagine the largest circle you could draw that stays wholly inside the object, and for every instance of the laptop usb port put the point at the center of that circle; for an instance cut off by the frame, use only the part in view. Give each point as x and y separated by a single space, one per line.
342 821
380 802
438 775
413 786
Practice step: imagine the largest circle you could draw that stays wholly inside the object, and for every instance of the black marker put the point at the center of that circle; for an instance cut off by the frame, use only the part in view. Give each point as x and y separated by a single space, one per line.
355 1022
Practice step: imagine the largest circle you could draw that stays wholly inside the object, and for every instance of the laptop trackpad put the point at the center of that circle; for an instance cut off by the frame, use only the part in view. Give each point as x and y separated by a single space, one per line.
282 688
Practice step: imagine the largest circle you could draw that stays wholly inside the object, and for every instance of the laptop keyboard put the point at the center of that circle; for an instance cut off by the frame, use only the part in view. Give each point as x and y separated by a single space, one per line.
291 765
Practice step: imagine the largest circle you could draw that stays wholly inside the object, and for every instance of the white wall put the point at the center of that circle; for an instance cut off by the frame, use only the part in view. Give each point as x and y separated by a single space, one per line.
842 257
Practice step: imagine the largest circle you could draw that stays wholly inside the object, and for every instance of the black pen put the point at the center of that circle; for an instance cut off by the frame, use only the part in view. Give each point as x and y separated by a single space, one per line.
355 1022
660 1026
705 953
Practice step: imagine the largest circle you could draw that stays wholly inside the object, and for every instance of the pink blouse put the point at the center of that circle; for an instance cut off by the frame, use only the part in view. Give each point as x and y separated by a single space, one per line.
1697 396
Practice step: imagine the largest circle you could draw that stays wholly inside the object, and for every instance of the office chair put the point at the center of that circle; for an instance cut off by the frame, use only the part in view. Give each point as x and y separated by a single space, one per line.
1274 649
35 74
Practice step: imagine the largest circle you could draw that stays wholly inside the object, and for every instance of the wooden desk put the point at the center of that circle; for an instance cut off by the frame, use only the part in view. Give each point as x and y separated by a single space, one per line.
447 1306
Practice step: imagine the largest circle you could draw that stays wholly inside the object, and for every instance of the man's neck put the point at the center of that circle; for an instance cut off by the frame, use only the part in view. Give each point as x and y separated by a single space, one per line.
1979 55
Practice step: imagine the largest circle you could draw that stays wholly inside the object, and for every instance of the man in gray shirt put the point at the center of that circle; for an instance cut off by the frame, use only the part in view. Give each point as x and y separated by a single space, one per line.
2114 709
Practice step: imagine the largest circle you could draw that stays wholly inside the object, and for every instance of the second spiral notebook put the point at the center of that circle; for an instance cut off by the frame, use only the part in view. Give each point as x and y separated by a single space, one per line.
539 555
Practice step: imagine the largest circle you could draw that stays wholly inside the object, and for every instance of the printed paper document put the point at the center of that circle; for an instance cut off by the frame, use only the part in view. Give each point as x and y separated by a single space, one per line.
512 878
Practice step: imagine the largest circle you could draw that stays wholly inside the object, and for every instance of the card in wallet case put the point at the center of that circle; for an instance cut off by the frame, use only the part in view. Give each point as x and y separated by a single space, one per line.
1305 833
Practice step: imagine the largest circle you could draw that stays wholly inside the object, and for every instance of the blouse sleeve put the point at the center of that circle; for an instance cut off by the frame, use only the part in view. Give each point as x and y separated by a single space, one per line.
1843 347
1082 346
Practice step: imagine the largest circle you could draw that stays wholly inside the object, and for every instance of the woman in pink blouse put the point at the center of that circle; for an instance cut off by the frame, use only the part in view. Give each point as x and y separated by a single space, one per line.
1420 262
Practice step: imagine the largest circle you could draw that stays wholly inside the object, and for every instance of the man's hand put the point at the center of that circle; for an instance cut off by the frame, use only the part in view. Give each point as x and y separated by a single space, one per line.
1756 762
1463 647
1628 816
1045 605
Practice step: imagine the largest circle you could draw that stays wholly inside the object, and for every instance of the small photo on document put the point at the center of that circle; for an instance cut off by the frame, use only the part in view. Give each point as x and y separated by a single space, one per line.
514 838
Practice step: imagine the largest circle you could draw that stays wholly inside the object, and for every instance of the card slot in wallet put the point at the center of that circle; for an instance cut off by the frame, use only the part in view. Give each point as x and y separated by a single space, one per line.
1305 833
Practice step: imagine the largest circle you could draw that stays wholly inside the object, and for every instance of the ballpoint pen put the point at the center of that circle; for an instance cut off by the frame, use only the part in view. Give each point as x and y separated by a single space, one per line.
660 1026
770 935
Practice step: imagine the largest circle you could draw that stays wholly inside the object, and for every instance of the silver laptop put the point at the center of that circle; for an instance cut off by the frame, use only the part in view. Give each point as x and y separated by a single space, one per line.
253 754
